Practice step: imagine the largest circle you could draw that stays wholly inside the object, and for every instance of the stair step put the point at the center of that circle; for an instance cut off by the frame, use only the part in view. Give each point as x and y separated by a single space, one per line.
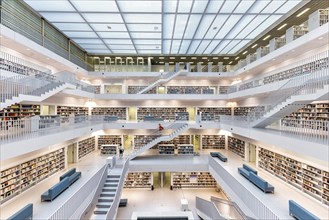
113 176
100 211
112 180
104 204
110 185
107 194
101 200
109 189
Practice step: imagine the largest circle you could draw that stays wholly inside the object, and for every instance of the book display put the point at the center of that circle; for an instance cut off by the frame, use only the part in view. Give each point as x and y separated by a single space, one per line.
168 114
185 149
318 18
119 112
16 179
244 111
213 141
86 146
141 140
109 139
18 111
237 146
110 149
309 179
136 89
211 114
66 111
166 149
139 180
192 180
190 90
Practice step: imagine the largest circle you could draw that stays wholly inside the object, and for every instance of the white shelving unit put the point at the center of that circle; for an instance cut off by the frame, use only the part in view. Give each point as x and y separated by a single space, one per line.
237 146
109 139
110 149
318 18
139 180
212 141
192 180
166 149
86 146
185 149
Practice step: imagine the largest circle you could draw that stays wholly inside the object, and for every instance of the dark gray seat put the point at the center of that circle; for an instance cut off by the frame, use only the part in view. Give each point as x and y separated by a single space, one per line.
260 183
299 212
54 191
72 175
23 214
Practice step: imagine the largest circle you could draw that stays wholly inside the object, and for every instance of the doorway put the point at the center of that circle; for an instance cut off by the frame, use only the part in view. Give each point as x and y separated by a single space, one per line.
252 153
161 179
71 153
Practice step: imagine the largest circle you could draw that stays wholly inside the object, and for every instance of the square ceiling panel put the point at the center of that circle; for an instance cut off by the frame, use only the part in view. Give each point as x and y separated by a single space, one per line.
163 26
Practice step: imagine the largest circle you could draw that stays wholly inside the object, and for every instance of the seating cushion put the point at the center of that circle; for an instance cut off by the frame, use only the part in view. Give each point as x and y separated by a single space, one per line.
74 177
244 172
24 213
249 169
262 184
55 190
299 212
67 174
214 154
222 157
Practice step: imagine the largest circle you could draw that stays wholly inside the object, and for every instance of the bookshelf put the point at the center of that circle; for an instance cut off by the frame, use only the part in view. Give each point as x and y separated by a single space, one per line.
141 140
180 139
223 89
182 116
98 89
277 42
318 18
109 139
163 113
309 179
136 89
66 111
210 114
86 146
139 180
17 179
166 149
244 111
48 121
18 111
190 90
295 32
185 149
110 149
192 180
237 146
213 141
120 112
310 117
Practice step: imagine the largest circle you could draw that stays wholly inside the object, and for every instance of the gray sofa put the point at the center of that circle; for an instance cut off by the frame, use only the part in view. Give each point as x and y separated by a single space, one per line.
299 212
72 174
245 170
260 183
54 191
25 213
219 156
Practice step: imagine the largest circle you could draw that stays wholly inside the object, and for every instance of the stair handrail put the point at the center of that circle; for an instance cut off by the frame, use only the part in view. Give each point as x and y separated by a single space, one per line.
292 87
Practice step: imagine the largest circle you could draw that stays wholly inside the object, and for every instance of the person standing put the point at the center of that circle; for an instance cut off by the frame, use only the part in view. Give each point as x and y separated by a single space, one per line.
121 150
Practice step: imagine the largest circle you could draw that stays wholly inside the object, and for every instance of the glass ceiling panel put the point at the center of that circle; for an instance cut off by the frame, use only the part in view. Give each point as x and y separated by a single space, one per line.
240 26
140 6
54 5
146 35
166 46
211 46
136 41
244 6
229 6
117 41
99 51
229 47
88 41
204 25
239 46
214 6
95 5
185 6
175 46
184 46
73 26
93 46
108 27
180 25
78 34
220 46
192 26
202 46
144 27
113 34
169 5
219 21
122 47
149 51
146 47
259 6
233 19
199 6
273 6
124 51
193 46
288 6
264 25
62 17
102 18
252 25
142 18
168 27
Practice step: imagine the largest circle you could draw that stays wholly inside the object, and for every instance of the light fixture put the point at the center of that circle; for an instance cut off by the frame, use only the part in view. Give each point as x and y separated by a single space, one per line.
191 62
47 58
254 46
204 58
230 62
28 49
156 27
109 27
320 38
300 14
183 58
172 58
215 58
226 58
214 28
161 62
282 26
193 58
157 47
200 62
267 37
161 58
245 52
237 58
171 62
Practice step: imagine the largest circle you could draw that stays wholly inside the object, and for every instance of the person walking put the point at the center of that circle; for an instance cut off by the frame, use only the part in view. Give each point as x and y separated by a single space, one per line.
121 150
160 128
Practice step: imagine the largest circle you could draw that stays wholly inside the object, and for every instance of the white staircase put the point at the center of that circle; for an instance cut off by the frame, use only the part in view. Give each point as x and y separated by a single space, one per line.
167 77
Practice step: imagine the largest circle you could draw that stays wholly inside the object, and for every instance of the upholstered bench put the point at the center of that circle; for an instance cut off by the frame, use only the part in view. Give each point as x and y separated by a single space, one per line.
72 175
54 191
219 156
123 202
299 212
260 183
25 213
245 170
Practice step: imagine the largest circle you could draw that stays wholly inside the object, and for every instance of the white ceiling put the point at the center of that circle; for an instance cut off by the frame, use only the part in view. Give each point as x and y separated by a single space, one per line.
213 27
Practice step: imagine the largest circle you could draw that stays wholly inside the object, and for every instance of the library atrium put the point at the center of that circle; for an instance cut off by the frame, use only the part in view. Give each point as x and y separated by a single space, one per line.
164 109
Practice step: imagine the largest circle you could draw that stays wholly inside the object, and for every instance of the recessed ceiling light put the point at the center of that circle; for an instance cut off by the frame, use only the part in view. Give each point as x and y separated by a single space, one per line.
171 62
215 58
300 14
282 27
28 49
161 58
254 46
109 27
226 58
156 27
245 52
200 62
230 62
237 58
214 28
183 58
267 37
193 58
204 58
320 38
172 58
157 47
161 62
293 51
191 62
